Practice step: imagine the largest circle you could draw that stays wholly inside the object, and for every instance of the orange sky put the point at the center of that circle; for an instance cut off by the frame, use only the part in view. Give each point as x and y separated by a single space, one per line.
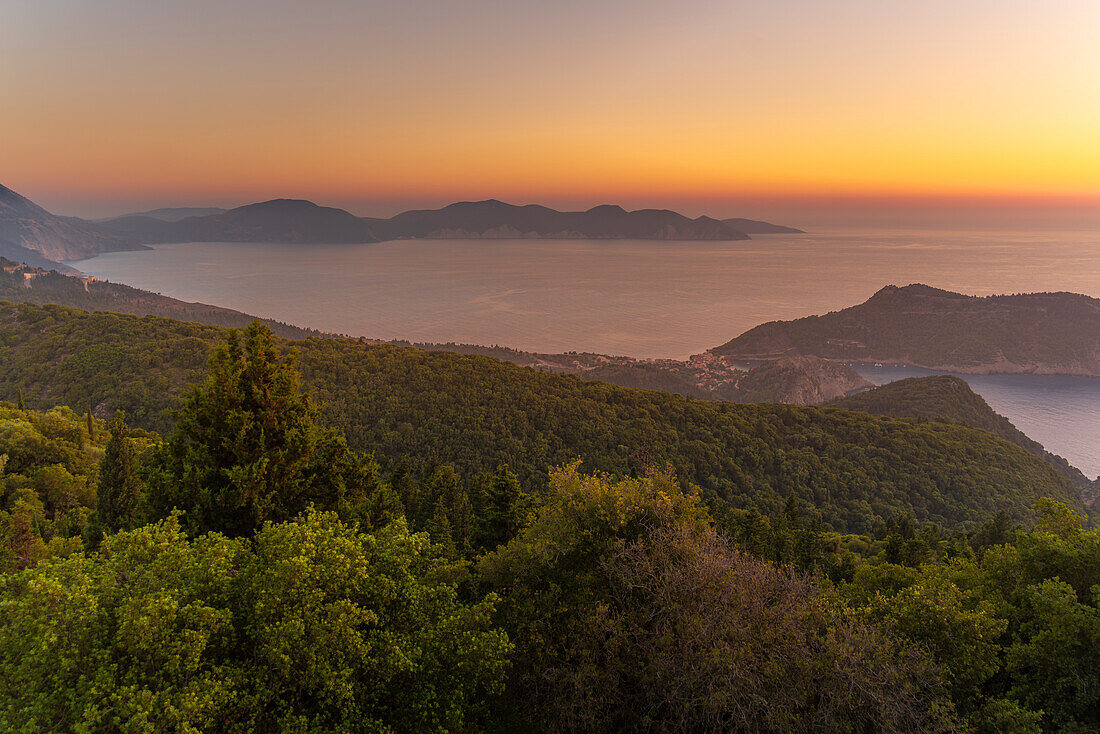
115 105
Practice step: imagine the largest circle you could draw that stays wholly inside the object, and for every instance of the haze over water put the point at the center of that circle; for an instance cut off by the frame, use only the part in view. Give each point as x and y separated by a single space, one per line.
643 299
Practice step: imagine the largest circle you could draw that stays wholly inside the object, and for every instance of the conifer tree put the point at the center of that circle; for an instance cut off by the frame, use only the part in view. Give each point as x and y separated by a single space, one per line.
498 519
248 447
118 498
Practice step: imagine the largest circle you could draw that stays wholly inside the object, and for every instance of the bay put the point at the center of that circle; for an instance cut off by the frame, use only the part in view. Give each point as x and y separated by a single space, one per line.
636 298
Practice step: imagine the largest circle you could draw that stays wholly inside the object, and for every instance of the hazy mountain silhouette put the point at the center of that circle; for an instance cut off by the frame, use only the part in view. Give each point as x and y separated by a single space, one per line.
279 220
496 219
26 228
171 213
755 226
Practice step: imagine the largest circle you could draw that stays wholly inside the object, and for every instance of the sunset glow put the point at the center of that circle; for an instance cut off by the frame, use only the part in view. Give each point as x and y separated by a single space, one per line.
114 105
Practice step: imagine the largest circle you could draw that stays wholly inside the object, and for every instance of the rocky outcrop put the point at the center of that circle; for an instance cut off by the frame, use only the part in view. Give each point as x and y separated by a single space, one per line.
794 380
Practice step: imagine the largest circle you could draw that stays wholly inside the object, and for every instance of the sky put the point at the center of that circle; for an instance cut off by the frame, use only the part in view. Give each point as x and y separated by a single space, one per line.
957 110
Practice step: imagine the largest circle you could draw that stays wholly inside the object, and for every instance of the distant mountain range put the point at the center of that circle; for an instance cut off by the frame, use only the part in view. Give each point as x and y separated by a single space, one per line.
495 219
294 220
1033 333
26 228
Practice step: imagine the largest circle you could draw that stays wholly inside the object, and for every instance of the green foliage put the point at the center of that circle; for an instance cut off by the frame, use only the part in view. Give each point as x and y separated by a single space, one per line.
630 613
119 497
311 627
628 607
47 483
949 399
956 628
476 414
1015 632
248 448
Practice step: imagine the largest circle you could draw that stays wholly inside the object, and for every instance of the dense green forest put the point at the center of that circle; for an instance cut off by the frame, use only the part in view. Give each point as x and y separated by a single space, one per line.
251 572
477 414
949 399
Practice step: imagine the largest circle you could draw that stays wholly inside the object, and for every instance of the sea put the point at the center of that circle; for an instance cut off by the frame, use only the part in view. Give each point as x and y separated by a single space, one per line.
638 298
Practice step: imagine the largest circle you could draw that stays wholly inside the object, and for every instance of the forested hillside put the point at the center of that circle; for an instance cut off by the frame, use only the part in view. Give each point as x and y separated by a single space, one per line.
478 413
949 399
250 573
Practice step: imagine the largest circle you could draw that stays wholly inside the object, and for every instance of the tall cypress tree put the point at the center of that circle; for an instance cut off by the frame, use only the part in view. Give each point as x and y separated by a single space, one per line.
248 448
118 499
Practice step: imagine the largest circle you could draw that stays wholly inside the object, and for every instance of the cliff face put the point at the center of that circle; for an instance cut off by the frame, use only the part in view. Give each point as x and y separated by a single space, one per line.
26 226
794 380
1037 333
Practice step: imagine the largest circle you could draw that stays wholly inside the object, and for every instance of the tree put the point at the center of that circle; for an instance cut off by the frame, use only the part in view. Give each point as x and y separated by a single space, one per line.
248 448
310 626
630 613
118 496
499 517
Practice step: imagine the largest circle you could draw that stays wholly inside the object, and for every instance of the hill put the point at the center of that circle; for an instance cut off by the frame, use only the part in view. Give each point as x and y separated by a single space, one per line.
645 376
496 219
949 399
478 413
23 283
754 226
705 380
25 226
1034 333
279 220
29 232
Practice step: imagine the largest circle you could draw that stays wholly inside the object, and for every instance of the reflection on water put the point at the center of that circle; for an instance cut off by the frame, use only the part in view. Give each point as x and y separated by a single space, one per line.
644 299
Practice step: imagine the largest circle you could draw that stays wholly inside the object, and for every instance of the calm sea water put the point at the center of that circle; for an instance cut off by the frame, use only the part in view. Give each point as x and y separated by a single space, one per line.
644 299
